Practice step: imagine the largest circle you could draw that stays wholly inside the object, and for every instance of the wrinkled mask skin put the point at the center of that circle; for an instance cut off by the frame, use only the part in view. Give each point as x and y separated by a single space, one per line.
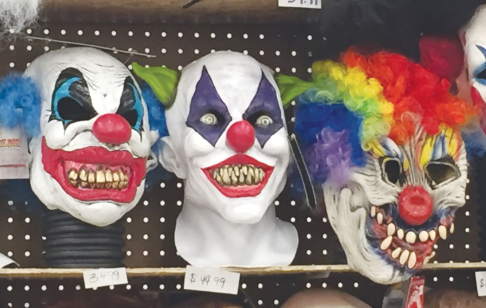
399 204
228 131
93 153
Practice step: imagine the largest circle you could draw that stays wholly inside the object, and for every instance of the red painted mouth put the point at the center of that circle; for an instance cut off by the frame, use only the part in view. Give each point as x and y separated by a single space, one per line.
94 173
239 176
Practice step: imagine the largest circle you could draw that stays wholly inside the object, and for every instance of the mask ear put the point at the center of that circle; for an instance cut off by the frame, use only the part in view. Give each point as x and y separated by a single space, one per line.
20 104
162 80
151 161
170 160
290 87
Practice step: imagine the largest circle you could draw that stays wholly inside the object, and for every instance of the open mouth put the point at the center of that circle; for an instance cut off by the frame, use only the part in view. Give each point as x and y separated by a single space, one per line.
239 176
410 248
95 173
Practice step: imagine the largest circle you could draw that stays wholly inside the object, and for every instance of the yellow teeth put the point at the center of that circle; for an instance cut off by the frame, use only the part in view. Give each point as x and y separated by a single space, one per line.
98 179
236 175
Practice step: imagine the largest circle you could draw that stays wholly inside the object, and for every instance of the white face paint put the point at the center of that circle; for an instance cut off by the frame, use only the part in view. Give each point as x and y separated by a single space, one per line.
394 209
18 14
228 137
472 84
91 158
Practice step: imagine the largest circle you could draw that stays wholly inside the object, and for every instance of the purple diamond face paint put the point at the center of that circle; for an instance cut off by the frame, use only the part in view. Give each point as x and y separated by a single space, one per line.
264 111
208 114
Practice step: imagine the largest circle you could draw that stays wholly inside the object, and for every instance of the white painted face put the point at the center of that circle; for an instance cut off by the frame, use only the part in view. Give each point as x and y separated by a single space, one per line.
394 209
472 83
228 137
93 153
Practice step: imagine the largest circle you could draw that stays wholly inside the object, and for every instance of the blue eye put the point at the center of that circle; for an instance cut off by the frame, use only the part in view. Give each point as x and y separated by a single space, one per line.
71 101
131 107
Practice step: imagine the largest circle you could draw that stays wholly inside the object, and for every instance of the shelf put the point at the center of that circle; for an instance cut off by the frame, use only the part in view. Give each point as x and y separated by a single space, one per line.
153 11
178 271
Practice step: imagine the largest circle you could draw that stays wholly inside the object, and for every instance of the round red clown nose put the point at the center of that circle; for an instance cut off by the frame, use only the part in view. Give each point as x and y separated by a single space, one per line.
112 128
241 136
415 205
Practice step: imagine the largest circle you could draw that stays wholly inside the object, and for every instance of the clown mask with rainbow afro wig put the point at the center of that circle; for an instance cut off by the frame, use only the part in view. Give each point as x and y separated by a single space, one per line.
381 136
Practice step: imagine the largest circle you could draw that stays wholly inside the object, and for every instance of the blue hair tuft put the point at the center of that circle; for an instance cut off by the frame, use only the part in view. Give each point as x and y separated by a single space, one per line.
20 103
156 111
312 119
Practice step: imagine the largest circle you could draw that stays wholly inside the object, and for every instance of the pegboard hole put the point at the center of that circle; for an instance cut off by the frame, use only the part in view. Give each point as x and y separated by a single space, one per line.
27 237
340 285
308 285
129 253
260 302
61 287
309 236
196 34
129 219
356 285
276 302
44 288
178 286
27 220
145 287
129 237
162 253
80 32
213 35
162 236
324 285
162 203
260 286
145 220
145 253
113 33
97 32
145 236
161 287
163 34
243 285
262 36
162 219
147 34
128 287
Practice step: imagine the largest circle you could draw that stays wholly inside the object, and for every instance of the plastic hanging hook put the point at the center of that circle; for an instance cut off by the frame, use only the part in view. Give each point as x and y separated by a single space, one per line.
310 194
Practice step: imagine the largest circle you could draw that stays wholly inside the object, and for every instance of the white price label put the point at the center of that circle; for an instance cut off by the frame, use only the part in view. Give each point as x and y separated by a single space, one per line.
481 283
104 277
305 4
211 280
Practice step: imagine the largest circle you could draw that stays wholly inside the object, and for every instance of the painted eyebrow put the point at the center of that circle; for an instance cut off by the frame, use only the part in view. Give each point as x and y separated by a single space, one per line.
80 92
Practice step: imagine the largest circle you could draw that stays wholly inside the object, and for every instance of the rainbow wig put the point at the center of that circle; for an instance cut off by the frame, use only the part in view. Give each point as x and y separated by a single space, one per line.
347 107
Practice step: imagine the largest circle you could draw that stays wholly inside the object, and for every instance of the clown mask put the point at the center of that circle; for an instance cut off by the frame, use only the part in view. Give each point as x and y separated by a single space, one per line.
92 154
228 141
382 140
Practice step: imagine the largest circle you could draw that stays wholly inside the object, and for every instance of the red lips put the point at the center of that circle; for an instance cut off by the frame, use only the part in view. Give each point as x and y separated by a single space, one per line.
239 176
57 161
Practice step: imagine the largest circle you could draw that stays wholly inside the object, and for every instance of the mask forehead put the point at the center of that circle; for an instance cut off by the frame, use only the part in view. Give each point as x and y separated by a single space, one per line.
104 75
236 78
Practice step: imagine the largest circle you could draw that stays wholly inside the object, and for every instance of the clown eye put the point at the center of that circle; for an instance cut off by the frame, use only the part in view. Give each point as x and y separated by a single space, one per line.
392 171
264 121
131 107
482 75
70 110
209 119
441 172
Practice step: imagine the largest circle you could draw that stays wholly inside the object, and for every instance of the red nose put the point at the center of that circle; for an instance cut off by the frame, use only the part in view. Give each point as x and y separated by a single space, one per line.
241 136
415 205
112 128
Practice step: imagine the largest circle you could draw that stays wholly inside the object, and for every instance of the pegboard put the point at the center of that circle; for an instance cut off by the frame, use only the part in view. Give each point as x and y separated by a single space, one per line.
149 227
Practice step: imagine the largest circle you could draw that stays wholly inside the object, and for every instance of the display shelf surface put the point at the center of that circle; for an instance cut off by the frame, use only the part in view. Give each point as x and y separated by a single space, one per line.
178 271
149 11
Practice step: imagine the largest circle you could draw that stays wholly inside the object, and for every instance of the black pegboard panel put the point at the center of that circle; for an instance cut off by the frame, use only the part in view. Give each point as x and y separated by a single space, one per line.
149 227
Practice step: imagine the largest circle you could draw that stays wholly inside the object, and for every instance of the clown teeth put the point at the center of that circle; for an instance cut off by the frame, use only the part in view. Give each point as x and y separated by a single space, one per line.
396 253
391 229
443 232
423 236
412 260
404 257
451 230
379 218
432 234
411 237
400 234
373 211
386 243
236 175
100 178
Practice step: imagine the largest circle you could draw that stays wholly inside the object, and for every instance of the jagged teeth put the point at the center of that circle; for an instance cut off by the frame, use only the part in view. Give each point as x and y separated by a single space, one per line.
400 234
386 243
236 175
423 236
379 218
411 237
442 232
432 234
404 257
451 230
373 211
396 252
391 229
412 260
87 178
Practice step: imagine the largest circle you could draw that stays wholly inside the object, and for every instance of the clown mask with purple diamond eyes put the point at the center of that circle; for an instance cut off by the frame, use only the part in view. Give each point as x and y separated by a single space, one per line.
228 141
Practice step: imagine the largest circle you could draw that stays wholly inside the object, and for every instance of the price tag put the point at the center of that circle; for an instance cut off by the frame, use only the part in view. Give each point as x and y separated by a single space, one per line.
211 280
104 277
305 4
481 283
